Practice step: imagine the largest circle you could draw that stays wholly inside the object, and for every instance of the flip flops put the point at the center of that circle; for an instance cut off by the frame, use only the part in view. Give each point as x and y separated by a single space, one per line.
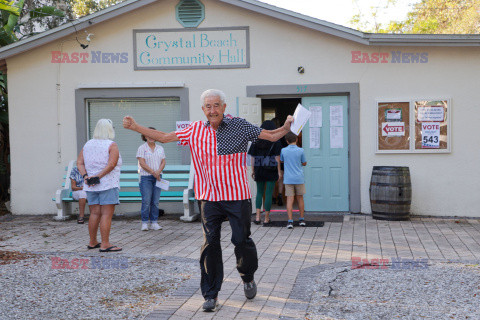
111 249
80 220
94 247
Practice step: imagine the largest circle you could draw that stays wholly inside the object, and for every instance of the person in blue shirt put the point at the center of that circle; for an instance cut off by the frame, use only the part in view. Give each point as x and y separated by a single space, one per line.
78 193
293 159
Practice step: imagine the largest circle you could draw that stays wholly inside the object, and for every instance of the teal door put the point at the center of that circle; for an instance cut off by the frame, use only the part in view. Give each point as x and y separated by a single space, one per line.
326 148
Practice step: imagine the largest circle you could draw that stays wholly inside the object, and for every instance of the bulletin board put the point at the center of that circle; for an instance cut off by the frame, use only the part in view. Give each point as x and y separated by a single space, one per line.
393 125
413 126
431 126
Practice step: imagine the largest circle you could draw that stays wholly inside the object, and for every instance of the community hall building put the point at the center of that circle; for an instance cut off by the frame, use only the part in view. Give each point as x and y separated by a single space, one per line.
376 99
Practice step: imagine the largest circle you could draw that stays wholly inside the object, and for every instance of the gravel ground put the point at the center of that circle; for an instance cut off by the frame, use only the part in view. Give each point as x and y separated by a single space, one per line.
112 287
441 291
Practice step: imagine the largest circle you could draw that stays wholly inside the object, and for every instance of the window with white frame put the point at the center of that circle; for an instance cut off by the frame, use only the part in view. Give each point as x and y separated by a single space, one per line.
160 113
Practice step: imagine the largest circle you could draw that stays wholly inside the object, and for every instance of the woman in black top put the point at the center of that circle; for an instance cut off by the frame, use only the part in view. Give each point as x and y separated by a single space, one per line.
265 170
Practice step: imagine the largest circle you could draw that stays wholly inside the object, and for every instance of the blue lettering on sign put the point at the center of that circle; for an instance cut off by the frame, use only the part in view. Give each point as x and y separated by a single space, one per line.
302 89
234 56
149 41
229 50
144 57
152 43
206 42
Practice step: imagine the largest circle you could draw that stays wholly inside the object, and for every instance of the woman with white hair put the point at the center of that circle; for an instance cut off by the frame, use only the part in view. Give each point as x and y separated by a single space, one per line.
99 163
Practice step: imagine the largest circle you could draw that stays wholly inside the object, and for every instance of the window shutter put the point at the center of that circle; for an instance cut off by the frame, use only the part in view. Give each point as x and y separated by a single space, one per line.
161 114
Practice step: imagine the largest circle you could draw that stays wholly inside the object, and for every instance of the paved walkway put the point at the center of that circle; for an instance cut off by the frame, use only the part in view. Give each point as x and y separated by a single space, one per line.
284 255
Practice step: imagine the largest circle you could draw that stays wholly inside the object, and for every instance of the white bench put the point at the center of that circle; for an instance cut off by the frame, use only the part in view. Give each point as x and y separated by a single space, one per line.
181 177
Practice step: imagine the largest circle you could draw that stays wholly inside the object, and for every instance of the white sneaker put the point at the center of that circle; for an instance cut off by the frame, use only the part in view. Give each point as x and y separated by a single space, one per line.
144 227
156 226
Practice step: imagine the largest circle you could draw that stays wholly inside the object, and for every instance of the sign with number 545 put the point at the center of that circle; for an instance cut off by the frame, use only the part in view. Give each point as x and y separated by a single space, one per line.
430 135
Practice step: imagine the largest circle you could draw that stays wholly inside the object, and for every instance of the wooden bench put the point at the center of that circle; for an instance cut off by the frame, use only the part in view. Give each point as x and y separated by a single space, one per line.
181 189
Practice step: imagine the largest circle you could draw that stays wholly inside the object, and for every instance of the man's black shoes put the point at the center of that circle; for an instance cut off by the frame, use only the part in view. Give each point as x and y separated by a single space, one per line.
250 289
210 305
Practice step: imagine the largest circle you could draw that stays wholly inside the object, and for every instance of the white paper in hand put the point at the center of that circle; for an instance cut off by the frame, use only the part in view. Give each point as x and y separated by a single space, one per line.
300 117
163 184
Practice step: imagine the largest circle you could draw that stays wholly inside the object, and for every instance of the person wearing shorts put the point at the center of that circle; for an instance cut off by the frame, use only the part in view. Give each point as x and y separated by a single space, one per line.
100 160
293 159
78 194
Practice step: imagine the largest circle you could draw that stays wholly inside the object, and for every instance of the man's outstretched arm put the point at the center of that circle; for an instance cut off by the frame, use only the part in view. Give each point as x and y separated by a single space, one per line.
274 135
163 137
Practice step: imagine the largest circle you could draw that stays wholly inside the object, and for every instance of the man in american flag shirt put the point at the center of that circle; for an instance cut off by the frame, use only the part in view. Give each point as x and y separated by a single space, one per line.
218 147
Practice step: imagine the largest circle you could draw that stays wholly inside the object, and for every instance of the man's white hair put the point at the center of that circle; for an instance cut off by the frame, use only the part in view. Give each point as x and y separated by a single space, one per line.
213 93
104 130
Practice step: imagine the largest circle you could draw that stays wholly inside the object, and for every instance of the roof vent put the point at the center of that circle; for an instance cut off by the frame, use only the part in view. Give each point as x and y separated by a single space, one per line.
190 13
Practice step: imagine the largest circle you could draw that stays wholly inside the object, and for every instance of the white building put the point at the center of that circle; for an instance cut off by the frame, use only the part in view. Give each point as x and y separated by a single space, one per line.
145 58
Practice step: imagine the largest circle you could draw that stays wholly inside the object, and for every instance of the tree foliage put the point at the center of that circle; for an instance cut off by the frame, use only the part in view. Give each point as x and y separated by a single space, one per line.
369 22
40 15
430 17
21 19
82 8
441 17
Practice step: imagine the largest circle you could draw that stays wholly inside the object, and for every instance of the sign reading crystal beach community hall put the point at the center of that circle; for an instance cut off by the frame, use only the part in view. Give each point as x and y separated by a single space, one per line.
192 49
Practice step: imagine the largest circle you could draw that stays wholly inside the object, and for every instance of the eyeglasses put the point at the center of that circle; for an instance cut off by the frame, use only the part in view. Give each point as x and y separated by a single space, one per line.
215 106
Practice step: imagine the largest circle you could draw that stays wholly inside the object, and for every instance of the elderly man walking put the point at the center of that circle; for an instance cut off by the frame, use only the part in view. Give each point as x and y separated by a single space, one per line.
218 147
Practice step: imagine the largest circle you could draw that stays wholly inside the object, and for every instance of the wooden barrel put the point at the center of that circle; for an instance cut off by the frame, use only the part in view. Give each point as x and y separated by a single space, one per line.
390 193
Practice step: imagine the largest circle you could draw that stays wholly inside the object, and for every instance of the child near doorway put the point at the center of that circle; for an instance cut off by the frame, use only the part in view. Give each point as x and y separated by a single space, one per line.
293 159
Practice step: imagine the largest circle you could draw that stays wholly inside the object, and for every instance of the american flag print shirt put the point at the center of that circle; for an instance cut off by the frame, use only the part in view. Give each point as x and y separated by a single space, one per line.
219 158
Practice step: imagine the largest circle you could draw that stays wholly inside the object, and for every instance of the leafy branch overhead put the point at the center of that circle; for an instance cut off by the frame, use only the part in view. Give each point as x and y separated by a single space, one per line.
426 17
21 19
10 6
24 18
85 7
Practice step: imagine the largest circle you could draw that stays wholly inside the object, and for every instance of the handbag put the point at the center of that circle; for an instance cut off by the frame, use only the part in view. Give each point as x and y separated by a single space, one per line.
273 168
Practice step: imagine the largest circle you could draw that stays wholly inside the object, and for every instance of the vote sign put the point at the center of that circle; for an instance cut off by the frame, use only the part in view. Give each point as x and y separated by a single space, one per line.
182 125
393 129
430 135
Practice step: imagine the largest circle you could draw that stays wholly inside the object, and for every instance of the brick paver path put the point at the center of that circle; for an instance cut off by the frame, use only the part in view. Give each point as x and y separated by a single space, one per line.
283 254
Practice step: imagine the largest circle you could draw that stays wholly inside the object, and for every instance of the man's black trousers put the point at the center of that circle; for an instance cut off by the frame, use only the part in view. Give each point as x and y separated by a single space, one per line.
213 213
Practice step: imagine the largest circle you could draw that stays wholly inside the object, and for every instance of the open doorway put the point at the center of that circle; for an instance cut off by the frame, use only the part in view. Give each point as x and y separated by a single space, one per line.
278 109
